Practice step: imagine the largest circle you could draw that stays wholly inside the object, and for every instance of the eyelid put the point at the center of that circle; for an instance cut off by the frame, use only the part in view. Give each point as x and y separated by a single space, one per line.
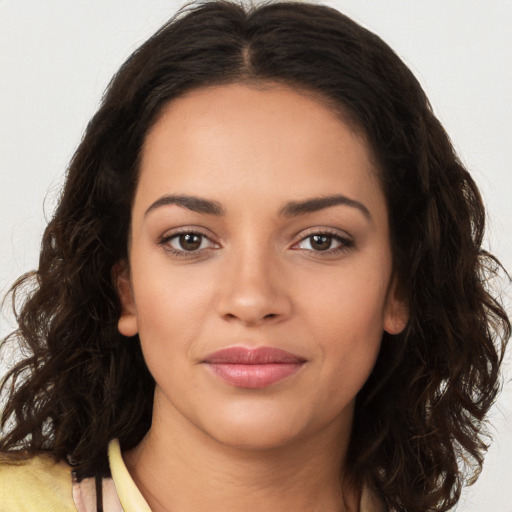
170 234
323 230
197 230
345 239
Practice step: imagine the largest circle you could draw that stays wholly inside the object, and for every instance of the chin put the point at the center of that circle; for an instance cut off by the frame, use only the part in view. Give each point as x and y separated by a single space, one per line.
256 439
255 429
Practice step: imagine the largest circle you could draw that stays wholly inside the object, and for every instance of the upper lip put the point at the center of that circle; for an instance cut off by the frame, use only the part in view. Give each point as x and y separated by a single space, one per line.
259 355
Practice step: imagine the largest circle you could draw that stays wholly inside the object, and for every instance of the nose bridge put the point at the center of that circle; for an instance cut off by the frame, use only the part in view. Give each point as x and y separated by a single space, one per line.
254 288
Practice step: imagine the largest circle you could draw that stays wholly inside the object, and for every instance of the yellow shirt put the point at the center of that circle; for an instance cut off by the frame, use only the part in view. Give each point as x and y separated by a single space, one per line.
38 484
42 485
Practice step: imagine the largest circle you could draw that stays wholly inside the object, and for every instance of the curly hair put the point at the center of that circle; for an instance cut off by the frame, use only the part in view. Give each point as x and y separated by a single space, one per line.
418 427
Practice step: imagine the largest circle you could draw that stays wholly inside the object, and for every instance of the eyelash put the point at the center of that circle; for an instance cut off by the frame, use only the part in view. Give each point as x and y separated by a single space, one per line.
346 243
166 239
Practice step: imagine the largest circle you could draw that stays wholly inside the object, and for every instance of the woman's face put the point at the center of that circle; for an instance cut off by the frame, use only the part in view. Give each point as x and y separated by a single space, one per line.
259 275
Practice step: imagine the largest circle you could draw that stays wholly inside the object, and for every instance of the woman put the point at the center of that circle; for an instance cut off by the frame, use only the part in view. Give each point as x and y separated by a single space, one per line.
263 287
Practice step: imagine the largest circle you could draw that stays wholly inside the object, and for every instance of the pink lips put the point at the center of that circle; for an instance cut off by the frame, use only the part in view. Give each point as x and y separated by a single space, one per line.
253 368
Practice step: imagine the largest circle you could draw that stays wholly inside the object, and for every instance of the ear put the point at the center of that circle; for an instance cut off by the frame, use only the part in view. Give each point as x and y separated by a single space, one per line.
396 314
127 324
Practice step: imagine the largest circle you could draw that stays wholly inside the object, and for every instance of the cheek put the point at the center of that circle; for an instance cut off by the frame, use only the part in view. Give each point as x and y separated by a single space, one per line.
349 346
163 291
351 304
347 322
172 308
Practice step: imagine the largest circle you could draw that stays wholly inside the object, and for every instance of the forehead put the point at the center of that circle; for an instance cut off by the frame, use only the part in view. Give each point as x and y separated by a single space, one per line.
268 139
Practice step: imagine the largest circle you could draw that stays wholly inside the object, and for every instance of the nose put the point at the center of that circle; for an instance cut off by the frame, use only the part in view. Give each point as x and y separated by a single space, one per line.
254 291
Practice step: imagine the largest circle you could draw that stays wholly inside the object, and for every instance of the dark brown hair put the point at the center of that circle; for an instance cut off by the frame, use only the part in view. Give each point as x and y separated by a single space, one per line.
418 420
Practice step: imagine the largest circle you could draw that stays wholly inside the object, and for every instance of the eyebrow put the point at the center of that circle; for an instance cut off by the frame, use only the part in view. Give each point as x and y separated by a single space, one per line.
291 209
196 204
296 208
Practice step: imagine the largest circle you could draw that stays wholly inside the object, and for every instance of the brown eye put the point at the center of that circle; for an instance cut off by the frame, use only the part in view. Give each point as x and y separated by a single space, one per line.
189 241
320 242
324 242
188 244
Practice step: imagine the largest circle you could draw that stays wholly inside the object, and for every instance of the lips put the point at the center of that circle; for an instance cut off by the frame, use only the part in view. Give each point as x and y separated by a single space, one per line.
253 368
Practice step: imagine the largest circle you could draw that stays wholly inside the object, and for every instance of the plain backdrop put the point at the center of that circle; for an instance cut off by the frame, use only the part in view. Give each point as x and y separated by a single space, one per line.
57 56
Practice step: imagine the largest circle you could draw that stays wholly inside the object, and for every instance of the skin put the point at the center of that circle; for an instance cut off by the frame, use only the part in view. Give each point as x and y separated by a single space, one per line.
257 279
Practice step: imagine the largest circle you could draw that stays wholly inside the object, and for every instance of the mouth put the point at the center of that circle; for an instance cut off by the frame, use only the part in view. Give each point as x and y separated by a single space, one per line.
253 368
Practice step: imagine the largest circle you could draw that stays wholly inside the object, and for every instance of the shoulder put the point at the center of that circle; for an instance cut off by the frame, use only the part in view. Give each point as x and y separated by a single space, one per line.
38 483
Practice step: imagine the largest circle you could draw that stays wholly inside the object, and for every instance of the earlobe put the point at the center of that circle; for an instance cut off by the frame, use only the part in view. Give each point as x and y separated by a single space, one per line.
395 323
397 312
127 324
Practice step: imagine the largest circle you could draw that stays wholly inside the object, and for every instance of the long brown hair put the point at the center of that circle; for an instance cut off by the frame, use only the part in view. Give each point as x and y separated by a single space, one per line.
420 414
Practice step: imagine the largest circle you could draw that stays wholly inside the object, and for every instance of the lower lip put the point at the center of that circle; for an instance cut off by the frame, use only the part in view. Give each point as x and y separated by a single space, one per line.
254 376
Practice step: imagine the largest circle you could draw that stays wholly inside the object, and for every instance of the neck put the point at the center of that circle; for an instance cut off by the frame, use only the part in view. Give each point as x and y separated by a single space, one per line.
179 469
